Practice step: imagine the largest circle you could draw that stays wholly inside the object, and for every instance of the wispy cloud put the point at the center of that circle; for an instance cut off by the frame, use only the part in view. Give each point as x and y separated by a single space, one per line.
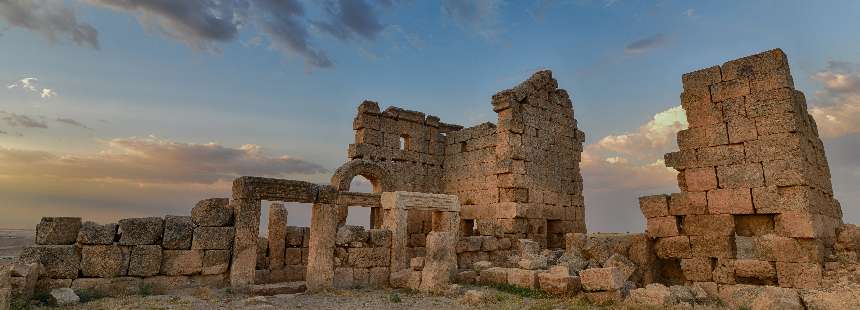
71 122
646 44
837 107
350 18
480 17
29 84
20 120
152 160
53 19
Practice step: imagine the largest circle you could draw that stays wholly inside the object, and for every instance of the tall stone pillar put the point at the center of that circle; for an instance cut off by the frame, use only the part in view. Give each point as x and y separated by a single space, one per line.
395 221
277 235
247 212
320 270
440 263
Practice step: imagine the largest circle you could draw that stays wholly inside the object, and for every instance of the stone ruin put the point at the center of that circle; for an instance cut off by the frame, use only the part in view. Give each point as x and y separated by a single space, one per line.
499 204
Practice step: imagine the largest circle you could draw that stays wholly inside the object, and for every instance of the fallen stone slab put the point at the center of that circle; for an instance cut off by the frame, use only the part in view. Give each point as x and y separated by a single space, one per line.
277 288
63 297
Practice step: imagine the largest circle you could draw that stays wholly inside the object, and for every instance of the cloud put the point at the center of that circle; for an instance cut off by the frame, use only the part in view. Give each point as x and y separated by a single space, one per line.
52 19
836 108
619 168
19 120
283 23
72 122
153 160
28 84
350 18
480 17
643 45
690 13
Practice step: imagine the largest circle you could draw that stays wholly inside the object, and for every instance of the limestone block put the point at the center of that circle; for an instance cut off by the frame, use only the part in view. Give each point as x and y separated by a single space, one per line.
721 155
700 179
417 240
45 285
688 203
778 123
605 297
730 201
262 253
26 276
320 261
799 275
368 257
343 277
379 237
295 236
474 243
754 225
212 212
701 78
697 269
623 264
704 136
798 225
277 235
709 225
523 278
741 129
63 297
104 261
5 298
109 286
178 232
654 295
756 66
58 230
775 147
181 262
751 268
558 283
166 284
712 246
141 231
673 247
848 238
145 261
440 263
277 289
293 256
654 206
533 262
729 89
58 261
772 199
602 279
741 176
494 275
489 244
93 233
404 278
213 238
724 271
416 263
378 277
666 226
348 233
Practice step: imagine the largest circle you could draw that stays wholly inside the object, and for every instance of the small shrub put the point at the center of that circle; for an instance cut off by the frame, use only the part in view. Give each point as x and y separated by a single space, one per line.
19 304
43 297
521 291
394 298
88 295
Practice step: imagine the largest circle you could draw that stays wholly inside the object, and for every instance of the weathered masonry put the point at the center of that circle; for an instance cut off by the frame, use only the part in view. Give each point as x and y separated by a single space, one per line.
499 204
756 203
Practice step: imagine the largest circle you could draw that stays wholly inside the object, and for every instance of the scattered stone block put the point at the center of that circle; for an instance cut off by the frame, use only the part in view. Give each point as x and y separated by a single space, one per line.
494 275
212 212
523 278
58 230
277 289
654 294
602 279
474 297
141 231
466 277
145 261
178 232
604 297
621 262
213 238
63 297
92 233
558 283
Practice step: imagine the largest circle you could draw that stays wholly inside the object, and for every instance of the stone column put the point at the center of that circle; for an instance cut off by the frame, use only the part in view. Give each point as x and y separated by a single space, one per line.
395 221
376 218
342 214
320 270
277 235
440 262
247 212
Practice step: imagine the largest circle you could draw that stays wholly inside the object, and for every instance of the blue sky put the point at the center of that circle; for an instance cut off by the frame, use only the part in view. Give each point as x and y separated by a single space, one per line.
175 77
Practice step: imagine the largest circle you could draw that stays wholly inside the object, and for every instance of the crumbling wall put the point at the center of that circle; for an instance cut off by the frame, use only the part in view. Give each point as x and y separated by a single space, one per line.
756 203
123 258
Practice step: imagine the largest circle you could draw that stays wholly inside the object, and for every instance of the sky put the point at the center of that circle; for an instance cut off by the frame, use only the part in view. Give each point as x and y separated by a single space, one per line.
125 108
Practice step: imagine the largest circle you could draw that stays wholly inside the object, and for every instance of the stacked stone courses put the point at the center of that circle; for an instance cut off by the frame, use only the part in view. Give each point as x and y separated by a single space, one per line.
756 204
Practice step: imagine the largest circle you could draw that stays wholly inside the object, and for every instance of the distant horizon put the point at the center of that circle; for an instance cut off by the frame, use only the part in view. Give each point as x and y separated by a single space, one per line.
111 111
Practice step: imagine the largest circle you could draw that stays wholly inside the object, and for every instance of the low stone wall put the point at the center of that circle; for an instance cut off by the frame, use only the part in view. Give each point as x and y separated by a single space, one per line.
135 254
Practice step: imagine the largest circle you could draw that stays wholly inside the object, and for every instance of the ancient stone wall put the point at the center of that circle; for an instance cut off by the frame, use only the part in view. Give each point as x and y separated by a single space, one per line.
161 253
518 179
756 203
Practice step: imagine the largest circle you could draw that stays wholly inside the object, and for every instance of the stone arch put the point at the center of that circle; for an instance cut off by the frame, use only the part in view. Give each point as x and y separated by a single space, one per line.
378 176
